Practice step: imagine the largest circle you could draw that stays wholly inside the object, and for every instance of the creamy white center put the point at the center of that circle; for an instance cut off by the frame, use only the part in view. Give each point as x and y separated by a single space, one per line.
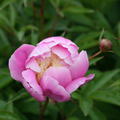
53 60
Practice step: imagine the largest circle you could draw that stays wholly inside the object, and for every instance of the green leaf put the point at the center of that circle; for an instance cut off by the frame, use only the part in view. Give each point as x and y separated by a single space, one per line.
3 38
96 114
90 38
2 104
12 15
25 2
6 3
20 94
31 107
95 60
115 84
55 4
75 95
79 29
99 83
6 107
20 35
109 95
118 26
102 21
5 79
4 20
20 114
34 38
5 23
8 116
77 9
73 118
85 105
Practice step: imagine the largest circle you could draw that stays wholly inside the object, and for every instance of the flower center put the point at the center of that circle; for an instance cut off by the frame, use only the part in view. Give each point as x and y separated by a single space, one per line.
53 60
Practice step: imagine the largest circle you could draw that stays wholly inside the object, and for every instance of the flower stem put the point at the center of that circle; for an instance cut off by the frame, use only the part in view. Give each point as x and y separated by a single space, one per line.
61 112
42 19
42 12
96 54
43 109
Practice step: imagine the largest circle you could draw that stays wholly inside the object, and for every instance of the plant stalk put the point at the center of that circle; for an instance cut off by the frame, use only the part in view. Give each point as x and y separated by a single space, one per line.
96 54
43 109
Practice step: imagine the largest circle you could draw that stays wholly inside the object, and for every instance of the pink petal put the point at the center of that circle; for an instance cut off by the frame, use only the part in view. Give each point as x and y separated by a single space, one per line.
40 50
33 65
73 50
68 60
31 85
53 90
80 66
75 84
65 43
60 51
17 61
62 47
61 74
58 40
49 44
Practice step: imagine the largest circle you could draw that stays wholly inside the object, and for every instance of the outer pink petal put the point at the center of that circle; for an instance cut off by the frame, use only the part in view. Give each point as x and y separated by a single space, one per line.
17 61
61 74
80 66
31 85
58 40
53 90
75 84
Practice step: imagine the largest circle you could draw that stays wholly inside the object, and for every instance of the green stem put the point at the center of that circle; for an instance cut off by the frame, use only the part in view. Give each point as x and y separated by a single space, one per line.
42 19
61 112
96 54
43 109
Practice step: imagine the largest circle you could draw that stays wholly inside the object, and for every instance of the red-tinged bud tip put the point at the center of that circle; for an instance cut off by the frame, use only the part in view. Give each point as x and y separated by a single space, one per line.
105 45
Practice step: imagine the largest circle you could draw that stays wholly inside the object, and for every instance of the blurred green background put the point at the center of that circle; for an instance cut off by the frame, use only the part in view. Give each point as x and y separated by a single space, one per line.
85 22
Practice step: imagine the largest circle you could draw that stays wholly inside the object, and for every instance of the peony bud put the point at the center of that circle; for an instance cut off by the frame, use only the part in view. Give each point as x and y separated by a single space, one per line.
105 45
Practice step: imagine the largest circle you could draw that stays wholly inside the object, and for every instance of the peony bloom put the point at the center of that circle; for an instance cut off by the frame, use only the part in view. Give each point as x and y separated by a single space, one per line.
53 68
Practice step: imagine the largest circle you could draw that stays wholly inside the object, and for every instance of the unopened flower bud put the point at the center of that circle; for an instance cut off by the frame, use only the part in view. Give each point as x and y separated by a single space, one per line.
105 45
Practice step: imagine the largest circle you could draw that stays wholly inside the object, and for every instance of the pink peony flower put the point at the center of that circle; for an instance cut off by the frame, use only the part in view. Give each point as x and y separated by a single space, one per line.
53 68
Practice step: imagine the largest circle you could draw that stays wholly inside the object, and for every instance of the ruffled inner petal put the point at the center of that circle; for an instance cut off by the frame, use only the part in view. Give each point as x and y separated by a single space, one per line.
33 65
39 50
53 90
60 51
61 74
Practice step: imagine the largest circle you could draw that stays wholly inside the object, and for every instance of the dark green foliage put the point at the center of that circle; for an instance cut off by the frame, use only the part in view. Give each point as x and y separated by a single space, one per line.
85 22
